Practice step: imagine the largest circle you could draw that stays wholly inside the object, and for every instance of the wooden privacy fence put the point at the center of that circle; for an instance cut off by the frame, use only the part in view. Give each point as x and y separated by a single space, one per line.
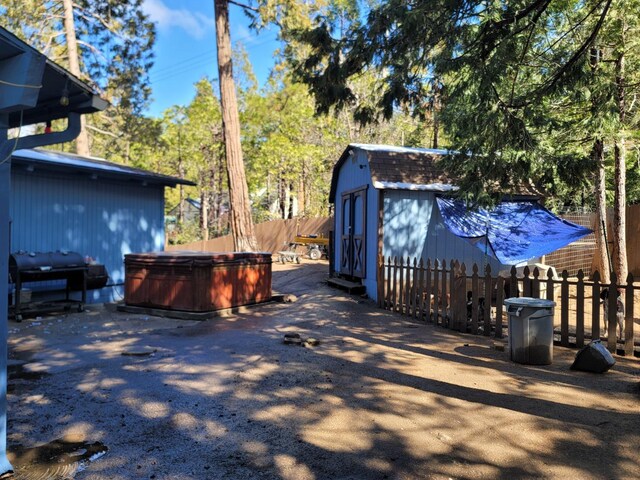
472 302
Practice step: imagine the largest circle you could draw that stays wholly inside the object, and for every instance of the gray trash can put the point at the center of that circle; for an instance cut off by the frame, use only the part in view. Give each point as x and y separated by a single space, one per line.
530 330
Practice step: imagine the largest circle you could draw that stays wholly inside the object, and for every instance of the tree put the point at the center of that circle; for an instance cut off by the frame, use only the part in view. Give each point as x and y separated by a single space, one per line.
106 43
517 85
241 221
82 141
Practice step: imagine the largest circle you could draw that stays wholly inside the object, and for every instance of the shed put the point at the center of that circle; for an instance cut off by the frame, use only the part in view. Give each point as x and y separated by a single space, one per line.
385 204
104 210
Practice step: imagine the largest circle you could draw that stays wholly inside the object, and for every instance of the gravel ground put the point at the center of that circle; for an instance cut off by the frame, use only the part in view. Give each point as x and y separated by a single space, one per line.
380 397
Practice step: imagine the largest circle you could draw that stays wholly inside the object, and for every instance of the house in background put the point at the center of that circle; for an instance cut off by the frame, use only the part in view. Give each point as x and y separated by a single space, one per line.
392 202
61 201
192 209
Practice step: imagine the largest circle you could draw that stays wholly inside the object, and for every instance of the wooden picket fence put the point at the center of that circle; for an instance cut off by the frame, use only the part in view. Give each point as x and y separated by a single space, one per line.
446 294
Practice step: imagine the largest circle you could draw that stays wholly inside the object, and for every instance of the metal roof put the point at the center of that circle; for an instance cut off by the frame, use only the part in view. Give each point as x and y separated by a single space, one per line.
98 167
405 168
396 166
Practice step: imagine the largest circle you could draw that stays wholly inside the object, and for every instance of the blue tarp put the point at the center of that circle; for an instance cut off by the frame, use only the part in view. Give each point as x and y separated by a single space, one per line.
512 232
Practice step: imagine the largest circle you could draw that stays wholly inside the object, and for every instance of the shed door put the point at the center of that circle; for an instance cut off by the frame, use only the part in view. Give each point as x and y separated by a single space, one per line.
354 212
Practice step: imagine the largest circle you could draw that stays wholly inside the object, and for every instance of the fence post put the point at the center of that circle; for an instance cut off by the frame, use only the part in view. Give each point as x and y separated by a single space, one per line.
499 302
443 296
395 284
420 293
408 288
526 282
462 298
612 305
595 306
427 294
628 317
389 275
580 310
436 291
564 310
452 294
380 281
401 286
486 307
474 299
514 290
551 292
535 283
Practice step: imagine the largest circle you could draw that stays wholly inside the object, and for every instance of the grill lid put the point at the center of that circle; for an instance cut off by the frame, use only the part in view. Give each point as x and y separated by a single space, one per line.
44 261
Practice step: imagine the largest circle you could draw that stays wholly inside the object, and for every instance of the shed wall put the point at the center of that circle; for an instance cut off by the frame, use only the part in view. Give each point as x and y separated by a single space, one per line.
354 174
413 227
101 218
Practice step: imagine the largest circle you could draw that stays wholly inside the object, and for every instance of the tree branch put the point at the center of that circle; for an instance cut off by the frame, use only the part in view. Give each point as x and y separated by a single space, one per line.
564 68
242 5
104 132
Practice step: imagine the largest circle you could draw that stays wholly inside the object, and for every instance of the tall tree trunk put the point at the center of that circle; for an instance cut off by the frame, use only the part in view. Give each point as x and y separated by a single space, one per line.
601 211
82 141
204 205
292 200
619 209
181 190
242 230
218 190
435 114
619 213
282 197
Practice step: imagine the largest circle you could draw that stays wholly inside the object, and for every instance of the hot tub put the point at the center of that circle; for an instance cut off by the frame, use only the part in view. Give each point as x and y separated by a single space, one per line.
197 281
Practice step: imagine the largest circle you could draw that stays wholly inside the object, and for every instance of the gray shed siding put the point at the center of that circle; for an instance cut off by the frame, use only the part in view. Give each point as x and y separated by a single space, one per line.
413 227
101 218
352 176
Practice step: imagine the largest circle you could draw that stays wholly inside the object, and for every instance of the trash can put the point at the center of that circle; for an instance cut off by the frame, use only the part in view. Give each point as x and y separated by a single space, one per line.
530 330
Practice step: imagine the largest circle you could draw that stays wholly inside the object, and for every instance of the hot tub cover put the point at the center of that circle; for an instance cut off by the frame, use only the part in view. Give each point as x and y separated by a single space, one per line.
512 232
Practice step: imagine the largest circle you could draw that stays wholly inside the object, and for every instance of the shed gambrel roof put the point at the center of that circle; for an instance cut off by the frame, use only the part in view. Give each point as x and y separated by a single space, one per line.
100 168
406 168
396 165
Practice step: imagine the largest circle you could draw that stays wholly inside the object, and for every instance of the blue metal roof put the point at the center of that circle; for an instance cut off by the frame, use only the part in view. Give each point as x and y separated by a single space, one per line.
49 159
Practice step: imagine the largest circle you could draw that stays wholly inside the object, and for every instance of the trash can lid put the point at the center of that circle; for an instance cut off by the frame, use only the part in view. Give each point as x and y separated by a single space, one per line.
529 302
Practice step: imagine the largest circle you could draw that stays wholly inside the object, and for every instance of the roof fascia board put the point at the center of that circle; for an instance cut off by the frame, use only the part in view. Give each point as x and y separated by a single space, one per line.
24 72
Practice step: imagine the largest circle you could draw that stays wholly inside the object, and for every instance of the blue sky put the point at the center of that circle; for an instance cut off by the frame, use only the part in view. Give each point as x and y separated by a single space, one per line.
185 49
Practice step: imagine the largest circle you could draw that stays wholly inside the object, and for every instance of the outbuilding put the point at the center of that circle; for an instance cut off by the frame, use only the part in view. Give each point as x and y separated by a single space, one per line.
102 210
397 202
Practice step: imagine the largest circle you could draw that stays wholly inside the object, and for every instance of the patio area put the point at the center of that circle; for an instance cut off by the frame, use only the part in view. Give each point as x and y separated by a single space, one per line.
382 396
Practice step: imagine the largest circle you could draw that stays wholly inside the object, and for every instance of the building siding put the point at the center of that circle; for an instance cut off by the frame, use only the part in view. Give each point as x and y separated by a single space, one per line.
354 174
103 219
414 229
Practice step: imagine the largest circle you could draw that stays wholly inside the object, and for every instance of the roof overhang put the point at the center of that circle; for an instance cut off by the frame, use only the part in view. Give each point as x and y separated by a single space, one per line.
93 168
353 147
432 187
37 90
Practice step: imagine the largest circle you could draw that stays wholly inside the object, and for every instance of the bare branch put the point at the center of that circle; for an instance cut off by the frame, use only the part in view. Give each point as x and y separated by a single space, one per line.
104 132
242 5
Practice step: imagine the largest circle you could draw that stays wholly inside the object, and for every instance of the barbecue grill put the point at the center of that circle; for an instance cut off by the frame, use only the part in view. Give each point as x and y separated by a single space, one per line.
47 266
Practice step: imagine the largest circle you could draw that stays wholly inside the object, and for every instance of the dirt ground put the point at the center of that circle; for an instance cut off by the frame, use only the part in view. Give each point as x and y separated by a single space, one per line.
380 397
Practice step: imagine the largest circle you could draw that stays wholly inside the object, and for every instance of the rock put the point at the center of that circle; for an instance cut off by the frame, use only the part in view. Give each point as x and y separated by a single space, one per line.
292 339
148 353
